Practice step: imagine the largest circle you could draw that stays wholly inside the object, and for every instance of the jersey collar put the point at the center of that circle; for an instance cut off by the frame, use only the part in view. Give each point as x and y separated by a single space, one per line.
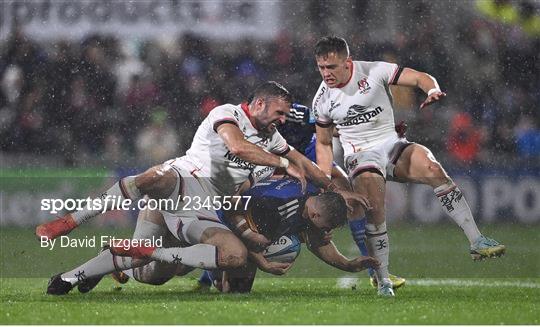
350 77
245 108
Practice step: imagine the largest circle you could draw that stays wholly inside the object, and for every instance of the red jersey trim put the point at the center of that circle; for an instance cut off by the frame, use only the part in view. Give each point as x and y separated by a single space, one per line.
350 77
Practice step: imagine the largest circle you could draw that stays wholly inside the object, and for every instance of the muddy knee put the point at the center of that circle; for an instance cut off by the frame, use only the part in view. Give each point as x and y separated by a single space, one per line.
231 258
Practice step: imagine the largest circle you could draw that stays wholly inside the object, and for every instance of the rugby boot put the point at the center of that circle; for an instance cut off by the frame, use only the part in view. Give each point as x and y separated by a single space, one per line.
88 284
485 247
58 227
57 286
385 288
397 281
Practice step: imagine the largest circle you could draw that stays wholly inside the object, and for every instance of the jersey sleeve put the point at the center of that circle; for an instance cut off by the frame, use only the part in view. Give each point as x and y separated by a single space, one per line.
319 107
225 114
278 145
387 73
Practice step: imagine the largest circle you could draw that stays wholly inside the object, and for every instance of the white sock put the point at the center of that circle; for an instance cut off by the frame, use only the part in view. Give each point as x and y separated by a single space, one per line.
454 204
100 265
129 272
379 248
123 189
202 256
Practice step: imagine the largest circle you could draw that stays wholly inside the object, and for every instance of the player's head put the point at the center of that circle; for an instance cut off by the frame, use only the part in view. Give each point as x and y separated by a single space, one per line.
327 211
269 105
333 60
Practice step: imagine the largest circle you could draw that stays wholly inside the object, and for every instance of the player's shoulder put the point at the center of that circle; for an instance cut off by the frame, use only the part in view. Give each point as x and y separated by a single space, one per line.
370 66
227 110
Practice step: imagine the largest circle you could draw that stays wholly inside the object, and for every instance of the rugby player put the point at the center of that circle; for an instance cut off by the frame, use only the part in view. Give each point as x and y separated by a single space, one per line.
299 131
228 144
277 206
354 97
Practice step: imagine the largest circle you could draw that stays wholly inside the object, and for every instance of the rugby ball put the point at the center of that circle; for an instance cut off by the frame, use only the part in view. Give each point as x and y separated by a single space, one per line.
284 249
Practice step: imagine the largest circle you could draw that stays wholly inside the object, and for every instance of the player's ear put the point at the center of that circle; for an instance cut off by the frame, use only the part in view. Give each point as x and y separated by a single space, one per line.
259 103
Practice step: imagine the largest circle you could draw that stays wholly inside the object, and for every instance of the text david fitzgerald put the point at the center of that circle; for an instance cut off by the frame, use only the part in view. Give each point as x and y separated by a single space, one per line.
91 242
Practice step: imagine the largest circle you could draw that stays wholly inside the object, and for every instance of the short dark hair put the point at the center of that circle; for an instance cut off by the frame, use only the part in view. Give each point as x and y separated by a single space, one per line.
329 44
271 89
333 206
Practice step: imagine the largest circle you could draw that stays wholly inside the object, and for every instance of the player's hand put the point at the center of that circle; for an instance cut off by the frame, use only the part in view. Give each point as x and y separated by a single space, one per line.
275 268
361 263
298 173
352 198
256 242
434 97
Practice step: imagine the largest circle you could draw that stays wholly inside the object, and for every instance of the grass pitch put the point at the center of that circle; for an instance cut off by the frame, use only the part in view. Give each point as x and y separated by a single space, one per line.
444 287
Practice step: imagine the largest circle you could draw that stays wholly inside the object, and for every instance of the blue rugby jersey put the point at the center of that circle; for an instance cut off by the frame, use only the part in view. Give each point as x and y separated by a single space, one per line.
276 206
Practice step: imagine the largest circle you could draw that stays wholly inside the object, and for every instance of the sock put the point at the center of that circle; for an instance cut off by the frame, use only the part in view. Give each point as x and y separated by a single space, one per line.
100 265
379 246
202 256
454 204
358 231
128 272
205 278
124 189
146 229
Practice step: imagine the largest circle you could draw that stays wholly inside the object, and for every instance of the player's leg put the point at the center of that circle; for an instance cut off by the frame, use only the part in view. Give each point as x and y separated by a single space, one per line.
215 246
157 182
149 223
356 219
372 184
418 165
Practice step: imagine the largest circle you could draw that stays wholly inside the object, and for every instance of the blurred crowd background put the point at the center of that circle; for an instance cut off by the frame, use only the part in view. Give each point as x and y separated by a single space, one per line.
105 101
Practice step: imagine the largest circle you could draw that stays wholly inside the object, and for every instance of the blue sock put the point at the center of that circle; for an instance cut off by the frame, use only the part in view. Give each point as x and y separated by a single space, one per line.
358 230
206 278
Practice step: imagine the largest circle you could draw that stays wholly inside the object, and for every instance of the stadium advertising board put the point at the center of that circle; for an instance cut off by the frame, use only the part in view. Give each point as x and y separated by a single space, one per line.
154 18
507 197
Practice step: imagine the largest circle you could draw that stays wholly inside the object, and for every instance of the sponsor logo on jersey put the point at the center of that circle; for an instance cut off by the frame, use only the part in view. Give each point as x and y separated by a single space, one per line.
240 162
333 105
358 115
363 86
317 99
261 172
351 165
288 209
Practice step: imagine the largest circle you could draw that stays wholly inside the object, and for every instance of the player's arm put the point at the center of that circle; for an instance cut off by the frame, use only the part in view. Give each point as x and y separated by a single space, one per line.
274 268
237 144
236 218
426 82
314 173
327 252
323 148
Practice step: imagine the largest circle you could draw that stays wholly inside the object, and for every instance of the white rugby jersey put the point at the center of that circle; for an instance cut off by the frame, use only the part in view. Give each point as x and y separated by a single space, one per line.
211 161
362 109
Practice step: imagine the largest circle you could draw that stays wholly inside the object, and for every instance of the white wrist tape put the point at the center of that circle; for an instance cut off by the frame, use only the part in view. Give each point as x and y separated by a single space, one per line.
246 232
433 90
243 221
283 162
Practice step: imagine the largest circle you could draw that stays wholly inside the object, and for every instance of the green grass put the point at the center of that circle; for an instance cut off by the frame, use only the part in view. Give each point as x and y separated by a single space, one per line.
445 287
273 301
